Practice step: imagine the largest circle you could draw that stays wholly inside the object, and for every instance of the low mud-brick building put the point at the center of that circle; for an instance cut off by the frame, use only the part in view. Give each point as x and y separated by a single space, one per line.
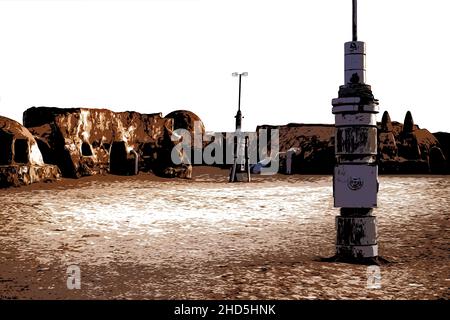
83 141
21 161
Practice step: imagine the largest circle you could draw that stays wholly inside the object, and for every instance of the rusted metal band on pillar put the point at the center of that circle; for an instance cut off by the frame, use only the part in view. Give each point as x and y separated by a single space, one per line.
356 140
356 231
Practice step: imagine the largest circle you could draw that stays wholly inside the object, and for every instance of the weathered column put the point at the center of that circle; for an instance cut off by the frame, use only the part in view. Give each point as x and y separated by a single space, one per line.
355 183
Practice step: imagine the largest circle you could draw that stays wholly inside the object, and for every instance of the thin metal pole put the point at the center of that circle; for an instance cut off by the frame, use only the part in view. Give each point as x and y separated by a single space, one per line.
247 160
239 103
355 20
239 114
233 170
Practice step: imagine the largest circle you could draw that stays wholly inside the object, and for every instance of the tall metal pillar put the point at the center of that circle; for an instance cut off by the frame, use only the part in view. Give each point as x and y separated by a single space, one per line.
355 180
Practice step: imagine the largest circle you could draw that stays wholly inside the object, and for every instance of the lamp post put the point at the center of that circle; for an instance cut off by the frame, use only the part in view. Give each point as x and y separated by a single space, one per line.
241 164
355 179
239 114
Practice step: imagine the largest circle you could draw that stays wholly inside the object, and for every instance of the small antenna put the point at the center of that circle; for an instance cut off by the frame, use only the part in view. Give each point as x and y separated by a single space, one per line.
355 20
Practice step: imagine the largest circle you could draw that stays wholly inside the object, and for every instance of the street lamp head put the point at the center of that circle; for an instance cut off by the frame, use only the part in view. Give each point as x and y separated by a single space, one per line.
236 74
244 74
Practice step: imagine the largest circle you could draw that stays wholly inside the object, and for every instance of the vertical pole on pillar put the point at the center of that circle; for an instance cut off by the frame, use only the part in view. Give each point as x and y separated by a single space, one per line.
355 181
355 20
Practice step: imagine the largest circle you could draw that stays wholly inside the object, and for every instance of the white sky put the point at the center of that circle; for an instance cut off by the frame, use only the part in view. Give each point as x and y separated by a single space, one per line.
161 55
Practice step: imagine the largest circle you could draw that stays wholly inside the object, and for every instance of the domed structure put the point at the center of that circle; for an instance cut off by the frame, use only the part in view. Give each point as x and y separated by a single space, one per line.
21 160
183 119
187 120
17 144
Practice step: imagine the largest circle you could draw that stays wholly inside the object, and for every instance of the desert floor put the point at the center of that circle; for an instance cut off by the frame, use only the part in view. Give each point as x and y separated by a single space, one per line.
150 238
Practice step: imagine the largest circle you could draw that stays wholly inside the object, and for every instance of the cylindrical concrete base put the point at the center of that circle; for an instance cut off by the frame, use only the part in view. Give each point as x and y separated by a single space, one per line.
356 252
356 237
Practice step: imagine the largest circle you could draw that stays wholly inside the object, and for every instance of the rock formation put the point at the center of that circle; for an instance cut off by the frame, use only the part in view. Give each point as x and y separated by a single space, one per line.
438 163
386 123
315 145
84 141
411 153
408 124
402 148
444 145
408 144
386 140
21 161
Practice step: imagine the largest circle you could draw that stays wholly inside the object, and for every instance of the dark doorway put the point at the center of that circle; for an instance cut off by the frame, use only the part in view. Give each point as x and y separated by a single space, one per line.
47 153
21 151
118 158
147 150
86 150
6 148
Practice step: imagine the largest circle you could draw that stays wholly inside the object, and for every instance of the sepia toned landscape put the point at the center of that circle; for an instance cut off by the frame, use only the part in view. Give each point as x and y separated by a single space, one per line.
157 238
109 192
99 191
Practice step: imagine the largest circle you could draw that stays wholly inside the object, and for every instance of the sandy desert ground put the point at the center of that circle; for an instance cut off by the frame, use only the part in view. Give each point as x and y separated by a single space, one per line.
150 238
